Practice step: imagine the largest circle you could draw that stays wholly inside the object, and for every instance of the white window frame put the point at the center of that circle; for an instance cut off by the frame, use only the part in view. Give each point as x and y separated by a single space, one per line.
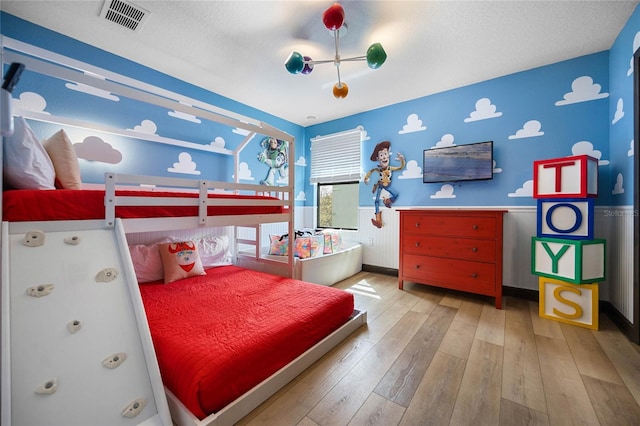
335 159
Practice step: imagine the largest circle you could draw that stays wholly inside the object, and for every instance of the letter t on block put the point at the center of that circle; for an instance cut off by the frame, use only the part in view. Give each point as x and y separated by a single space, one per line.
566 177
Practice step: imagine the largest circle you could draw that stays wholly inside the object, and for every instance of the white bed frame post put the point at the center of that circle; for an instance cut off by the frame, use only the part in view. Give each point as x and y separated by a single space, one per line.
288 197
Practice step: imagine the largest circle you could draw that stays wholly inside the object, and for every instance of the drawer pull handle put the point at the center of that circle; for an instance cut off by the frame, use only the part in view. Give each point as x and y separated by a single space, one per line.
475 227
417 266
417 224
417 243
474 275
474 249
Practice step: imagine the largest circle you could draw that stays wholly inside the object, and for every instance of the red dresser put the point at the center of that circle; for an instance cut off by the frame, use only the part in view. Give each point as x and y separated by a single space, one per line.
455 249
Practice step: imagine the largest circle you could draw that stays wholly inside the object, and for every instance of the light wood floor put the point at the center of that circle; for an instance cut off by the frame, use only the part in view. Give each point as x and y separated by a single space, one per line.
431 357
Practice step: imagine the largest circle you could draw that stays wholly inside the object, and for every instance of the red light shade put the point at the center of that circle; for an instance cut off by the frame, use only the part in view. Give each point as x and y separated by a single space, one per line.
340 90
333 17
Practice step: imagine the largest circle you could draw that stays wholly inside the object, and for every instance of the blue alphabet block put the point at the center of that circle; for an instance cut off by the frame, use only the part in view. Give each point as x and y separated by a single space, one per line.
570 218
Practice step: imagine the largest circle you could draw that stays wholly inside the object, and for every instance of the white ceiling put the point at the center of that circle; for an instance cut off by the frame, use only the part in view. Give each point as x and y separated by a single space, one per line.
238 48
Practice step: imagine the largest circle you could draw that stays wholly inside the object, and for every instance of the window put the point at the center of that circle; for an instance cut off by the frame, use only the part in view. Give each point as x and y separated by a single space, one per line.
338 205
335 167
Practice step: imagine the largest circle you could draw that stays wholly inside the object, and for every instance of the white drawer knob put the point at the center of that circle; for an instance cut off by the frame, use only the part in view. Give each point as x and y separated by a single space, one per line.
74 326
73 240
134 408
40 290
48 388
114 360
34 238
106 275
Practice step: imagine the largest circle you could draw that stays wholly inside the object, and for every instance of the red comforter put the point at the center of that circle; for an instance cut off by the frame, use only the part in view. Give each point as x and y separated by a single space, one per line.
217 336
22 205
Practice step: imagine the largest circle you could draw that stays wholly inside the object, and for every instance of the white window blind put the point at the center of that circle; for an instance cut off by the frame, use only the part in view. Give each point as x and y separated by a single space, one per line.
336 157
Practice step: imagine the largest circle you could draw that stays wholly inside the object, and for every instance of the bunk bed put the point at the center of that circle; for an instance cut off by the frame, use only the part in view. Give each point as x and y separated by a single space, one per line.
175 382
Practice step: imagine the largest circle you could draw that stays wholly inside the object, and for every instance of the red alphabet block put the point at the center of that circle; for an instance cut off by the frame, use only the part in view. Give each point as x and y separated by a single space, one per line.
566 177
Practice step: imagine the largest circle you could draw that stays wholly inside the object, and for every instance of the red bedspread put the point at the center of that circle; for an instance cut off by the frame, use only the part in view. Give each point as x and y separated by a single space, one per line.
22 205
217 336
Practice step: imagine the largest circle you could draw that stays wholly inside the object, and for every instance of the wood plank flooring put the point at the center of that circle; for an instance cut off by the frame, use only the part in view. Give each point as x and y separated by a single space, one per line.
433 357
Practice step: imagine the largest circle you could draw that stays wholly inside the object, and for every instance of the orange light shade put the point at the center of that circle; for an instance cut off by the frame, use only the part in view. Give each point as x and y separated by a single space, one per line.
340 90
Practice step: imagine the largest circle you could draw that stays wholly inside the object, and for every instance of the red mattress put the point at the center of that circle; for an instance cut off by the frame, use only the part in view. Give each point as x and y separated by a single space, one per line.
23 205
219 335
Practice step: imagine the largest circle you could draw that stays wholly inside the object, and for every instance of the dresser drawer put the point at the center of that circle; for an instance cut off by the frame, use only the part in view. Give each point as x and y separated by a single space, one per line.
476 277
456 248
465 226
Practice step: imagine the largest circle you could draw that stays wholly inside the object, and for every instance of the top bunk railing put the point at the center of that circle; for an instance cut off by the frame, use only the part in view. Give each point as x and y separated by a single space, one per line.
273 195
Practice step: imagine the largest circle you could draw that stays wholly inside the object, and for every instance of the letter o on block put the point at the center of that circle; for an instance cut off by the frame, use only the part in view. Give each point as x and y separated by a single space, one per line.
570 218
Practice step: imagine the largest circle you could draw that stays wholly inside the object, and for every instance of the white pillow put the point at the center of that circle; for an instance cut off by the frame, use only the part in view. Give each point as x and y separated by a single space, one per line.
214 251
147 263
26 163
64 159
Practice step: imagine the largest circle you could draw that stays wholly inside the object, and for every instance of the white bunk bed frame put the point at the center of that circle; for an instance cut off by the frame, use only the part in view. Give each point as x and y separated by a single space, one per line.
68 69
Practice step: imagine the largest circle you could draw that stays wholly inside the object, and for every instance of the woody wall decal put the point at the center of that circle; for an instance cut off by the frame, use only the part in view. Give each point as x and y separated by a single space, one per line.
382 154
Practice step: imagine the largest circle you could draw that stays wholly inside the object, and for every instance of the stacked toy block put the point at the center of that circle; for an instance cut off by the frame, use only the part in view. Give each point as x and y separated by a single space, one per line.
565 255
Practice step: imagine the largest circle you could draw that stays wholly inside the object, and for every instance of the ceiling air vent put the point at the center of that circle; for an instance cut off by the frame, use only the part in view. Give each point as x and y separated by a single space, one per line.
124 13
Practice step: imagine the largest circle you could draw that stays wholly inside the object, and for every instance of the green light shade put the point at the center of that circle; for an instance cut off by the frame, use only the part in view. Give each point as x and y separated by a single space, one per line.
376 56
294 63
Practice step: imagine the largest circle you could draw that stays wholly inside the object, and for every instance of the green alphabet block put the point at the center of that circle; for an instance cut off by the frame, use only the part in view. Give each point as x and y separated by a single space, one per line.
574 261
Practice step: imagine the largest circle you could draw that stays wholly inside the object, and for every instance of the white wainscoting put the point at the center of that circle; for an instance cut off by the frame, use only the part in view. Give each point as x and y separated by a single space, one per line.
615 224
381 246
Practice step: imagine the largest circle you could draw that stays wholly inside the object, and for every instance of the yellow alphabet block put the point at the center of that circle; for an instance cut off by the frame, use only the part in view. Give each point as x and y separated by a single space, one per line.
569 303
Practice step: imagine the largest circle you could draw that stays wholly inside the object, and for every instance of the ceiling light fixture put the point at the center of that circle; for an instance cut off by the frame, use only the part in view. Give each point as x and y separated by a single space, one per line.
333 19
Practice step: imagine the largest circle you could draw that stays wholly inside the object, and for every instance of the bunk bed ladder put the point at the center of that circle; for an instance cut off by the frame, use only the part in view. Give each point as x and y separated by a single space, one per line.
76 318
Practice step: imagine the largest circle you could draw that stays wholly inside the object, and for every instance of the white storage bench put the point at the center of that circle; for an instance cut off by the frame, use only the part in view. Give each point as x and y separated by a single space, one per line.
325 269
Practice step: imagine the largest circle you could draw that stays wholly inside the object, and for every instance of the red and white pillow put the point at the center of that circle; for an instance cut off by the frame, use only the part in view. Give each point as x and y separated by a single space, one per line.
180 260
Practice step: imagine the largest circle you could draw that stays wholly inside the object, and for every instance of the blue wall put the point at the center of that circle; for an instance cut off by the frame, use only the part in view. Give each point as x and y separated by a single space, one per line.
621 111
523 114
567 108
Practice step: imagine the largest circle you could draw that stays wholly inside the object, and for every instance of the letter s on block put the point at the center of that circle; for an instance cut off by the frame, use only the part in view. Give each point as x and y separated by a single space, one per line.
557 294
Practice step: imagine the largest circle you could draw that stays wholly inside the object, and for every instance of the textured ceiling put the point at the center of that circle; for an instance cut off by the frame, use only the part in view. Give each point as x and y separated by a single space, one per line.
238 48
